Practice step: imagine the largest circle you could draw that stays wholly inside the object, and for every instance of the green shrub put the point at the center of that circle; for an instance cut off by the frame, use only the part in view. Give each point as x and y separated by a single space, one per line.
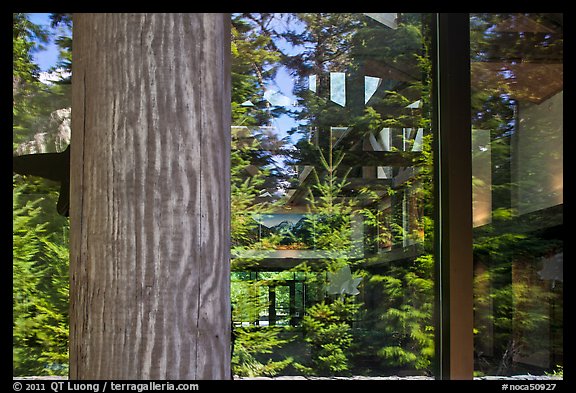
40 291
327 330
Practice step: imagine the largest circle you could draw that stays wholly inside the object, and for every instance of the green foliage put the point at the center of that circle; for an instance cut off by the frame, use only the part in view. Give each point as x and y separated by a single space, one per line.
27 38
328 331
40 291
33 101
253 62
25 71
514 303
407 325
64 40
398 324
330 214
327 326
252 341
400 321
40 236
245 190
510 259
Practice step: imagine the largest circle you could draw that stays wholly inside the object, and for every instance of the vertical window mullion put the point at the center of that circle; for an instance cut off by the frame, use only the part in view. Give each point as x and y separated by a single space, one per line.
453 168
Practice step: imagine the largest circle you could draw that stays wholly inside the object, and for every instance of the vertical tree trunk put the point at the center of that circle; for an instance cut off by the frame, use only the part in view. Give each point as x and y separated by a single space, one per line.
149 263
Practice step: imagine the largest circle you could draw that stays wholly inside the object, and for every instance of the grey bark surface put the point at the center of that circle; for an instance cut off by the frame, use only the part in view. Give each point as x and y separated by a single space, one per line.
150 208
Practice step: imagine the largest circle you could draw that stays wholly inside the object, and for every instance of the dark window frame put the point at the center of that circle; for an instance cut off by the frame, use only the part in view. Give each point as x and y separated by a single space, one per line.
453 196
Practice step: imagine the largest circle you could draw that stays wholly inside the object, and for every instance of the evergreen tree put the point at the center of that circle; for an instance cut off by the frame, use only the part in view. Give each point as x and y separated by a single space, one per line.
254 184
40 291
40 236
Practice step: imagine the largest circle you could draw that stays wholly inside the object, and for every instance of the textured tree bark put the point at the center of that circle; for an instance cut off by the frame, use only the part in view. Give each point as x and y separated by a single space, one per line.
149 215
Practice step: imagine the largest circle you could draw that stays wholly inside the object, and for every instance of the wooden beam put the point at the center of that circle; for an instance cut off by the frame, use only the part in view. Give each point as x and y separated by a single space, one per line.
150 197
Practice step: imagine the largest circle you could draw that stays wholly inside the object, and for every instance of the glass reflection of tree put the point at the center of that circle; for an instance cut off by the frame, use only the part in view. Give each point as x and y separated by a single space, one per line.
391 318
252 175
399 328
512 59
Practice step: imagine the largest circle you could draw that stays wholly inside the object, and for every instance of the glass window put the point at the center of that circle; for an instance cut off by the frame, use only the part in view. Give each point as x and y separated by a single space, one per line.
332 270
517 134
41 120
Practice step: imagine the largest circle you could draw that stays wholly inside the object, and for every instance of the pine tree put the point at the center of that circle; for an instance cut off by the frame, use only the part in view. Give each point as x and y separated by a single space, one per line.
40 290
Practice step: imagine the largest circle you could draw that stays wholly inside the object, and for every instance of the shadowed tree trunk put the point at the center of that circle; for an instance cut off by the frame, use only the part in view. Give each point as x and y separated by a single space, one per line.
149 208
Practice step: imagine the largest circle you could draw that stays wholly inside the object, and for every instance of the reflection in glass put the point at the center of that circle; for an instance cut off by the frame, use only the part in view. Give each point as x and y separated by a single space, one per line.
331 195
370 86
517 119
338 88
40 257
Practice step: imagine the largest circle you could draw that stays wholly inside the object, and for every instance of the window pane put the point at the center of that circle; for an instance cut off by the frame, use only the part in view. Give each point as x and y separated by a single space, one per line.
331 195
517 121
40 237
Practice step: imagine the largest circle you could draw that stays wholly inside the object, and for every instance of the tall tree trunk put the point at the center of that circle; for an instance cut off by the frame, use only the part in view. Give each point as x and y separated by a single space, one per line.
150 188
